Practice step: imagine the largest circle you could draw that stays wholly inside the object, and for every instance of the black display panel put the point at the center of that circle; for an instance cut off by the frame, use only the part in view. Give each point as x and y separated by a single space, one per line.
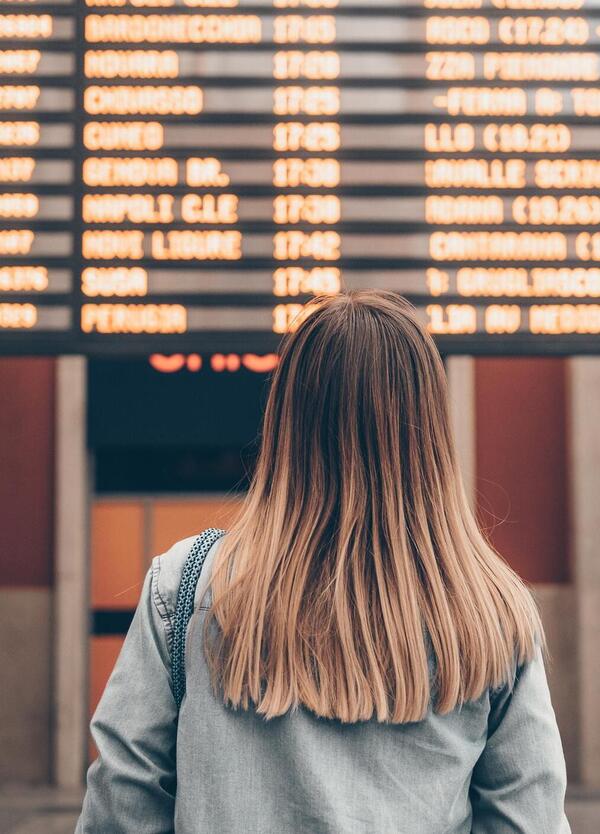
191 428
184 176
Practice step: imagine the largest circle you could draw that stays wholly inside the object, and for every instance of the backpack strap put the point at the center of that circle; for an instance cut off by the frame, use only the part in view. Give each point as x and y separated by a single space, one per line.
185 605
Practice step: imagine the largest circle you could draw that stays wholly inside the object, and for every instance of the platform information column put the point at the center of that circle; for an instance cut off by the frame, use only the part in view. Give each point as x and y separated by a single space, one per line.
37 171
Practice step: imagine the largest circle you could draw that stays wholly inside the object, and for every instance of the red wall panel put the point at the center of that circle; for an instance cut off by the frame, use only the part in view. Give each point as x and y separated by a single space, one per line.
521 462
27 470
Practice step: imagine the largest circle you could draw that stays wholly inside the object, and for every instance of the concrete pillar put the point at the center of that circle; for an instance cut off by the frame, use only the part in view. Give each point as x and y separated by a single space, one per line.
461 384
71 575
585 548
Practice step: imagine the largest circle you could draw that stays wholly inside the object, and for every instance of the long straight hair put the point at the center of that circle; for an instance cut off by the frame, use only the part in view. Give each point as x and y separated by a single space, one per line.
356 559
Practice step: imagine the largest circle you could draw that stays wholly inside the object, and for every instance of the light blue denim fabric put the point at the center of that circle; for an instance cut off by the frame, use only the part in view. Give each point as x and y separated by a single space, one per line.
496 766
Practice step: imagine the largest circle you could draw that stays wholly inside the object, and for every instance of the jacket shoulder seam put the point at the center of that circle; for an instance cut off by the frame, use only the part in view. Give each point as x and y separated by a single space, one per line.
160 603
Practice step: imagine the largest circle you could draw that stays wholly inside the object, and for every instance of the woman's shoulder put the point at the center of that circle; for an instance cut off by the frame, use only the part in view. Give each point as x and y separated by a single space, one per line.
167 569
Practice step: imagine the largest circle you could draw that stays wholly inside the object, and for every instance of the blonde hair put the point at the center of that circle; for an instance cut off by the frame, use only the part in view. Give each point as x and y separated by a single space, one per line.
356 558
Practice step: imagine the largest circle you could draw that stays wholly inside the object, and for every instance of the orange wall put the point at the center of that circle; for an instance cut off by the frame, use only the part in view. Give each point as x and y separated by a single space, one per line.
126 533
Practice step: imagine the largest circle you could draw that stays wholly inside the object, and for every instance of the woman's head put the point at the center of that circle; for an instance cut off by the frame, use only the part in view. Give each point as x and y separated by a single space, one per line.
357 417
356 558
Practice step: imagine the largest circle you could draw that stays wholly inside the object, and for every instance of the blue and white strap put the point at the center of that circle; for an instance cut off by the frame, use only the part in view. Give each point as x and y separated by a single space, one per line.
185 605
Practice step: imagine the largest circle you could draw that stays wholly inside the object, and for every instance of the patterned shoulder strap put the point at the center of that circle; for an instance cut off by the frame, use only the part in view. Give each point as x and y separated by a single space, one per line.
185 605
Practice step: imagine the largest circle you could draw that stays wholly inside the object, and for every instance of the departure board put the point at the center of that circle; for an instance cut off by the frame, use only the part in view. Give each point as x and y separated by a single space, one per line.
185 175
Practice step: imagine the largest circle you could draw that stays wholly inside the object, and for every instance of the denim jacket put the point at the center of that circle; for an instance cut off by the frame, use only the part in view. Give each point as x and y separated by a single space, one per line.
493 766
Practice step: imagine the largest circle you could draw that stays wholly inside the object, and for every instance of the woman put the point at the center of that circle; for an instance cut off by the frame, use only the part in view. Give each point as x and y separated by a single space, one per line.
360 660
